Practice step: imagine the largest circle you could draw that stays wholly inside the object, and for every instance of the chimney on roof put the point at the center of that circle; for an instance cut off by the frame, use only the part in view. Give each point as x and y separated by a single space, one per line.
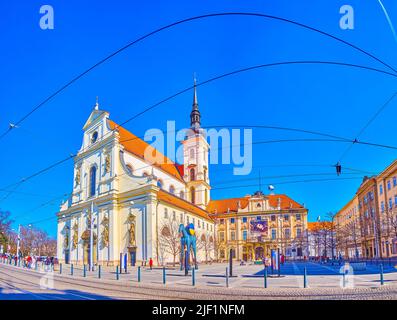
278 203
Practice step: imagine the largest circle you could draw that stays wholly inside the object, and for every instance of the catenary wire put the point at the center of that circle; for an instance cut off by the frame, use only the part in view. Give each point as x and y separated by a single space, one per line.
73 80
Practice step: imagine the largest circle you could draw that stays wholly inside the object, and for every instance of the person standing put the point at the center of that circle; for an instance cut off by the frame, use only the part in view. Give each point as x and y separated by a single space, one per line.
151 263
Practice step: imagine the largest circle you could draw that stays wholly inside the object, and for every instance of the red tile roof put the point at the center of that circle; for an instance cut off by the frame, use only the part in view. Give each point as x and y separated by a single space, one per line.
286 202
317 226
222 206
182 204
137 147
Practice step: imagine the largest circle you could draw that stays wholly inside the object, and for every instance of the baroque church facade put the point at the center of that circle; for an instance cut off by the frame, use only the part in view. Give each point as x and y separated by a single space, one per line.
122 203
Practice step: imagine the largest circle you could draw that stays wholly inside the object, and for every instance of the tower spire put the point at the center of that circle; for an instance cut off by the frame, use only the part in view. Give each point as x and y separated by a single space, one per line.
195 117
195 103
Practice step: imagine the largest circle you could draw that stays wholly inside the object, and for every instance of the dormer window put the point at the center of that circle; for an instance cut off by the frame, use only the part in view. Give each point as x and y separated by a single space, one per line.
94 137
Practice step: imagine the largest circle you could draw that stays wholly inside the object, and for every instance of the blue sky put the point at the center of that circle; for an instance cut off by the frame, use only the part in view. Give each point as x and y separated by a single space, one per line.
336 100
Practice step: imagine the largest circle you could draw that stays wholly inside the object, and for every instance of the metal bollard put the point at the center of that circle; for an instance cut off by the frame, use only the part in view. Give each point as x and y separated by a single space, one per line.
344 279
117 272
163 275
304 277
265 277
193 277
382 282
139 274
71 269
99 272
227 278
84 271
60 268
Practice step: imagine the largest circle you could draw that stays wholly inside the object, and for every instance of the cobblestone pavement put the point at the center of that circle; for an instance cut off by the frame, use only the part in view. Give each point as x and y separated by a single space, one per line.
19 283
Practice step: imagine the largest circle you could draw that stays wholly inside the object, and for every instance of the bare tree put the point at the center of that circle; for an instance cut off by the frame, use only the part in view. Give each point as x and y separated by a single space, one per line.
5 228
206 243
37 242
393 224
169 240
331 229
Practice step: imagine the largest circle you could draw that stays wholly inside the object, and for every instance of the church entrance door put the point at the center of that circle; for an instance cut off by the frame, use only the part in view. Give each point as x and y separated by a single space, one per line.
132 252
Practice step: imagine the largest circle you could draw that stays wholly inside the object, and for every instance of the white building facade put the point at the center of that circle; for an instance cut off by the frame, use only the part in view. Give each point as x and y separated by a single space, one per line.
135 206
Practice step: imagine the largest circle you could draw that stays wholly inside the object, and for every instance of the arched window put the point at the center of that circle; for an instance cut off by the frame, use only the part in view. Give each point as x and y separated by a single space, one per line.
165 213
193 195
172 189
129 169
92 181
205 174
182 195
206 196
160 184
192 174
165 232
192 153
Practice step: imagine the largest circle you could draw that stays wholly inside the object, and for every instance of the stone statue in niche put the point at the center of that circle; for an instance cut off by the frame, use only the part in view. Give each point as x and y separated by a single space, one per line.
105 232
107 163
66 239
131 230
75 235
77 177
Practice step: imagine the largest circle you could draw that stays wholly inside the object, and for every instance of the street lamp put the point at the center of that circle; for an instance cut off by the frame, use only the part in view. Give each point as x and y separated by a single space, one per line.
18 240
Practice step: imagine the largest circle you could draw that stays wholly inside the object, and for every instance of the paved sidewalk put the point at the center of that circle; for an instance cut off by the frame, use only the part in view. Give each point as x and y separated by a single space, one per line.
247 276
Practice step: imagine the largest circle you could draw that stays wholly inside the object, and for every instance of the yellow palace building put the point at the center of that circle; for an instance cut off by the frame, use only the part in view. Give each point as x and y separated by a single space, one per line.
248 228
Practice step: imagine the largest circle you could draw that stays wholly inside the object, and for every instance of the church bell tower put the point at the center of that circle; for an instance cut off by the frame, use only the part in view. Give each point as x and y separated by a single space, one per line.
195 151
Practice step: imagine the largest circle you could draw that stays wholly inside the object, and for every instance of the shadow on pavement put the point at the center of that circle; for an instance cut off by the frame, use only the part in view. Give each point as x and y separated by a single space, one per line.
57 295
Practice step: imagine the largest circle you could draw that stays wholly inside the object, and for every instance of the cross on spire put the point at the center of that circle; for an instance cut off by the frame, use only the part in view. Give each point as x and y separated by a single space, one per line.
96 104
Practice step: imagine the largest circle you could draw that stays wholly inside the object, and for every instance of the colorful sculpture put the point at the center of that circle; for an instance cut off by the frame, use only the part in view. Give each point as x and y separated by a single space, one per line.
188 241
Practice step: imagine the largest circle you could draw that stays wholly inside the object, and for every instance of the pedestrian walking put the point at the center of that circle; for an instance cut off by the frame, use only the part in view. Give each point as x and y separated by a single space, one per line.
151 263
